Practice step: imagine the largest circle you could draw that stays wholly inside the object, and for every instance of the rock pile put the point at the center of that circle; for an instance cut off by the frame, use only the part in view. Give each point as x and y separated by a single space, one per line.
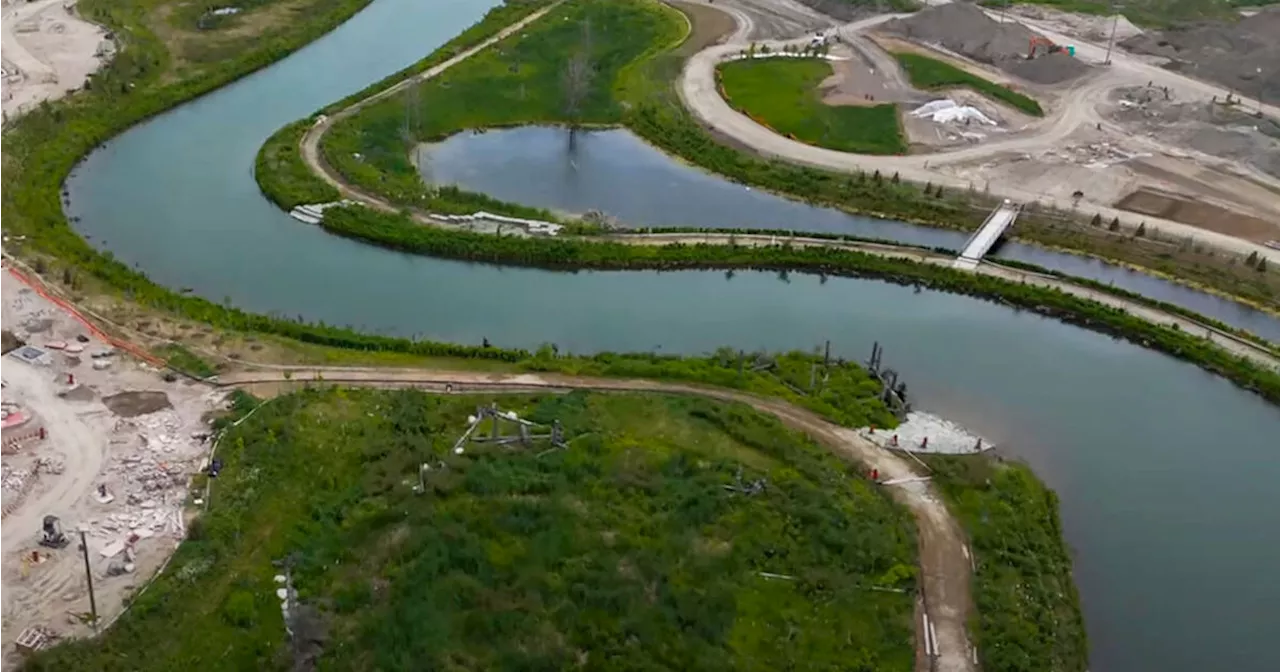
1231 54
967 30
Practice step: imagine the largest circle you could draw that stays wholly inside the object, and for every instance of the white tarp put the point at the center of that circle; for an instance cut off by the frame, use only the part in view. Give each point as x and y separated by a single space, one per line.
946 111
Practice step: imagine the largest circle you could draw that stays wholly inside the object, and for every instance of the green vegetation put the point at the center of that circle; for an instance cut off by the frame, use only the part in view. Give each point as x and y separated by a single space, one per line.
624 549
183 360
1028 609
784 95
399 233
652 110
931 73
281 171
562 69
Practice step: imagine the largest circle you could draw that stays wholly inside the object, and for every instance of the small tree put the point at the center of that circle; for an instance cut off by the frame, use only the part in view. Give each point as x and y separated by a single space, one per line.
1096 221
877 177
895 177
1142 230
1262 266
1253 259
1114 225
938 193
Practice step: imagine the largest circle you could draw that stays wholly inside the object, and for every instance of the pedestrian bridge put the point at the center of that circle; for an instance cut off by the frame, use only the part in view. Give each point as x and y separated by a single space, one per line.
980 243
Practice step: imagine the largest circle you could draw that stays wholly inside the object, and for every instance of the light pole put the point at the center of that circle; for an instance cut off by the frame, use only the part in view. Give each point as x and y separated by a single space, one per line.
88 574
1260 82
1115 18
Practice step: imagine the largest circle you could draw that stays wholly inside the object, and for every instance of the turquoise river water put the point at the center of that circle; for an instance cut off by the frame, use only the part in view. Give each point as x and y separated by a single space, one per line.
1167 475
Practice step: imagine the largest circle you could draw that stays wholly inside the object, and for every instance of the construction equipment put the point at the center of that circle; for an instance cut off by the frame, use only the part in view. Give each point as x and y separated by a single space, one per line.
1049 47
53 536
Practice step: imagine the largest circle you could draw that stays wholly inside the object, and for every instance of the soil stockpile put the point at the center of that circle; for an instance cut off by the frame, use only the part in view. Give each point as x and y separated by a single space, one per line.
967 30
1229 54
133 404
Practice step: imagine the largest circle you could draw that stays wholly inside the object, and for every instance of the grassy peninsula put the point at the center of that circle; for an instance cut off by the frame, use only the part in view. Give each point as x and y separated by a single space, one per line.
625 546
371 149
1028 608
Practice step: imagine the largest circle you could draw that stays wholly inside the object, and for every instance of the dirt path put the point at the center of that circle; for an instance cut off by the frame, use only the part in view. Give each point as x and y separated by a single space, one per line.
945 569
1076 110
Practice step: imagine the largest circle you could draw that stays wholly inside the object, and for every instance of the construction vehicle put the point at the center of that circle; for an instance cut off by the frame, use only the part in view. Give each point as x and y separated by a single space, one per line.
53 536
1049 47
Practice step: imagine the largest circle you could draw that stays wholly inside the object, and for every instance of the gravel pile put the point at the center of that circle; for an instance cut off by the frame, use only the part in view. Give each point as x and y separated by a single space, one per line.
1231 132
1229 54
964 28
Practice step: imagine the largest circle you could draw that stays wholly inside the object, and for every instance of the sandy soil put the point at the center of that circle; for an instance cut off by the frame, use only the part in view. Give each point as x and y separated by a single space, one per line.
47 51
144 461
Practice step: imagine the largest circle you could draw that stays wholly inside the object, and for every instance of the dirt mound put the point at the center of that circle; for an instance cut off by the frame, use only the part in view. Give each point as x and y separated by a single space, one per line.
1047 69
1230 54
965 29
131 404
11 342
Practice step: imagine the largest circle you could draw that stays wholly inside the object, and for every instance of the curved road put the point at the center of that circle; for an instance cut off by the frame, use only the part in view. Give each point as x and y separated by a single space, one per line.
700 94
944 557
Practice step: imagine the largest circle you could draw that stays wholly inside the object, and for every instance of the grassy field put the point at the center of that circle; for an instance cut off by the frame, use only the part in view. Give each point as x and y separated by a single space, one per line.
783 94
1028 609
624 551
931 73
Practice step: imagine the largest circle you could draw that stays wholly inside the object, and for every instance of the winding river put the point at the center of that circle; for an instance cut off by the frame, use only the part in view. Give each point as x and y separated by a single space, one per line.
1166 474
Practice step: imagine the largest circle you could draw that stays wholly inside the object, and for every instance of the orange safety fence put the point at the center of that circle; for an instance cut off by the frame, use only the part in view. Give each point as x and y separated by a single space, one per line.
131 348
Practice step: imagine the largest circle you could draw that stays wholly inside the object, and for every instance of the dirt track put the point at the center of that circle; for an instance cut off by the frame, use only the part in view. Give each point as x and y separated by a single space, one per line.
1075 111
945 568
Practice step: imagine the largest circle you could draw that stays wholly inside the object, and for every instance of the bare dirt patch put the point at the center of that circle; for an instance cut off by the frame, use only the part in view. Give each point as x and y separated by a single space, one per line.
10 342
1198 213
132 404
966 30
143 463
48 51
1212 127
1242 55
710 26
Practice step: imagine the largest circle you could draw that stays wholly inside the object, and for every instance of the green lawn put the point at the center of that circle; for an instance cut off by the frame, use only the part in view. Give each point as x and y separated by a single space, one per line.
624 551
930 73
783 94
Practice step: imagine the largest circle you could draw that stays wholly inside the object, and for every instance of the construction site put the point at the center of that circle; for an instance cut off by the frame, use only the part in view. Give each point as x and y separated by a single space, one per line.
99 447
48 51
1123 130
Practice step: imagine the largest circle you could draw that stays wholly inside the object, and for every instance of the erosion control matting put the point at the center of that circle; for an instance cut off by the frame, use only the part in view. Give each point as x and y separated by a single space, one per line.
1198 213
1228 53
132 404
965 29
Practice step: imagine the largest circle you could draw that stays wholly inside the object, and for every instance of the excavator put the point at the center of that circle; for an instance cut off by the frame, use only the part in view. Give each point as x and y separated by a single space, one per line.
1049 47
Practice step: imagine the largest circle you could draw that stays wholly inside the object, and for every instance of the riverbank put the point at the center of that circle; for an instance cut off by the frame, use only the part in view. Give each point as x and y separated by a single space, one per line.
1254 368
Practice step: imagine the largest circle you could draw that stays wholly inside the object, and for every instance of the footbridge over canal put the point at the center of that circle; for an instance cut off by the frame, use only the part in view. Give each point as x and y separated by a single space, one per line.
982 240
